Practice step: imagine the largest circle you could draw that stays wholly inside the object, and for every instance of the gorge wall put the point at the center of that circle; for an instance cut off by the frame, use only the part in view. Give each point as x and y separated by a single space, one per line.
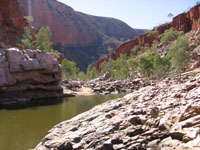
183 22
27 76
11 23
80 37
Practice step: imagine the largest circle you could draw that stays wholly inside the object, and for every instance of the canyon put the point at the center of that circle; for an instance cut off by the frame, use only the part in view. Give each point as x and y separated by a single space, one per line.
80 37
183 22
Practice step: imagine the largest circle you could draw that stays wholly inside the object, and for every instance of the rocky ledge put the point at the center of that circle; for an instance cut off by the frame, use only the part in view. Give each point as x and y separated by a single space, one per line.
165 116
26 76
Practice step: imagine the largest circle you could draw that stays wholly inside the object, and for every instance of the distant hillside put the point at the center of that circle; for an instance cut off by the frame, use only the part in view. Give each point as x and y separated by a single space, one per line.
80 37
183 22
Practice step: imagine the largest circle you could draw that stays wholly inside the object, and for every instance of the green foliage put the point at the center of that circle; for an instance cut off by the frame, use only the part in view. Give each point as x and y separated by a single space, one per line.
152 33
179 56
161 66
134 50
170 35
193 74
154 65
133 64
27 40
92 73
199 20
29 18
81 75
43 39
69 69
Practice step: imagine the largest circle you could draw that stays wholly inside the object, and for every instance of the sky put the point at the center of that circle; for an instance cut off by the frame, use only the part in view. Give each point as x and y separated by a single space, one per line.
141 14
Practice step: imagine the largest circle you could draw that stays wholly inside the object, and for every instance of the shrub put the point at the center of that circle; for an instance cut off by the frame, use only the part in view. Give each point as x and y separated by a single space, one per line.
179 56
170 35
134 50
154 65
153 32
193 74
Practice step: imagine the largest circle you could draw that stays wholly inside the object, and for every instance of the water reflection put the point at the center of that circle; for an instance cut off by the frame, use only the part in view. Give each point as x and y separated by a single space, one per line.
23 129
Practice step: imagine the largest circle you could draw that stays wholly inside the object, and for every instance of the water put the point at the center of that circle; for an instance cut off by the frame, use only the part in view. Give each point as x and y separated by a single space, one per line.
24 129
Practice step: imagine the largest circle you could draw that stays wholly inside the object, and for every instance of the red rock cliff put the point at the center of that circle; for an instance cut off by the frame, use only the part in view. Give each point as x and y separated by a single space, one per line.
183 22
80 37
11 22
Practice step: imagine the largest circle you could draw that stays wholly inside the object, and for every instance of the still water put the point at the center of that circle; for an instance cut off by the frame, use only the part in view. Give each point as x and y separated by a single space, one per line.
23 129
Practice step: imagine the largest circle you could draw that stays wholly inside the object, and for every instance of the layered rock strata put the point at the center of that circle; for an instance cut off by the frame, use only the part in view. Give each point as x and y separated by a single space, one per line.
183 22
160 117
26 76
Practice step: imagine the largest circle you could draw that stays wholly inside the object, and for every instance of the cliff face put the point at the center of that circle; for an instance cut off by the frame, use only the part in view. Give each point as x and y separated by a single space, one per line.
11 22
183 22
26 76
80 37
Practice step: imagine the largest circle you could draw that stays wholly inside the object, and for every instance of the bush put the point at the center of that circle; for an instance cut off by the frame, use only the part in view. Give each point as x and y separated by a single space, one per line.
179 56
193 74
134 50
153 32
170 35
154 65
69 69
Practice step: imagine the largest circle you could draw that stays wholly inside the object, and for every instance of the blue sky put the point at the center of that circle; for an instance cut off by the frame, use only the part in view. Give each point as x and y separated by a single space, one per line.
143 14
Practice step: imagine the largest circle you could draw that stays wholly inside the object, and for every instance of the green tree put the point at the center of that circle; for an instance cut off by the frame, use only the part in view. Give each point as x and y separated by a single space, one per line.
81 75
179 54
43 40
170 35
69 69
161 66
27 40
134 50
133 64
92 73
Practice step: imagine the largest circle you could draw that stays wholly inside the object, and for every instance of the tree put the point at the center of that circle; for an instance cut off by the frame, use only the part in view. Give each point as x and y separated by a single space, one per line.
179 56
170 35
69 69
27 40
134 50
161 66
170 15
43 40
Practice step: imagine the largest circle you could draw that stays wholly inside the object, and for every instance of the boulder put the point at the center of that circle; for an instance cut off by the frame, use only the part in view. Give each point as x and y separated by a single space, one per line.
28 75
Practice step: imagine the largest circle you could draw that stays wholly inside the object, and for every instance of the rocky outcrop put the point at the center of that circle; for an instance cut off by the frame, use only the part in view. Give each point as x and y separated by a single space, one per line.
80 37
183 22
159 117
109 86
27 76
11 23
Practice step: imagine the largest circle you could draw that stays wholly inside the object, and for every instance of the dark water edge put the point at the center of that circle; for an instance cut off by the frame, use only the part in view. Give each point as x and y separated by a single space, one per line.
23 129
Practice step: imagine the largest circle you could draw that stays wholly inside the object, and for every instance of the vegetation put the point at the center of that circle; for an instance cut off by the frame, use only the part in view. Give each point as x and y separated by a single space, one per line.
153 32
154 65
179 55
27 40
193 74
69 69
170 35
43 40
135 50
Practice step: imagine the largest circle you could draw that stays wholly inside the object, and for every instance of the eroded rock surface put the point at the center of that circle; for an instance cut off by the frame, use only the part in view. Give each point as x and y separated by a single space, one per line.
27 75
160 117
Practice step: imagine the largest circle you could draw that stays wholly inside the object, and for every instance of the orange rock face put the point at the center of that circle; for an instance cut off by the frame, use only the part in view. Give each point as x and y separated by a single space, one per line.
183 22
80 37
11 22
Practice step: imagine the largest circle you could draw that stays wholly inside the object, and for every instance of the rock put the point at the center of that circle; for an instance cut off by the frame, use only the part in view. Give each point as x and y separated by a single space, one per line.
162 116
81 40
27 76
12 23
183 22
